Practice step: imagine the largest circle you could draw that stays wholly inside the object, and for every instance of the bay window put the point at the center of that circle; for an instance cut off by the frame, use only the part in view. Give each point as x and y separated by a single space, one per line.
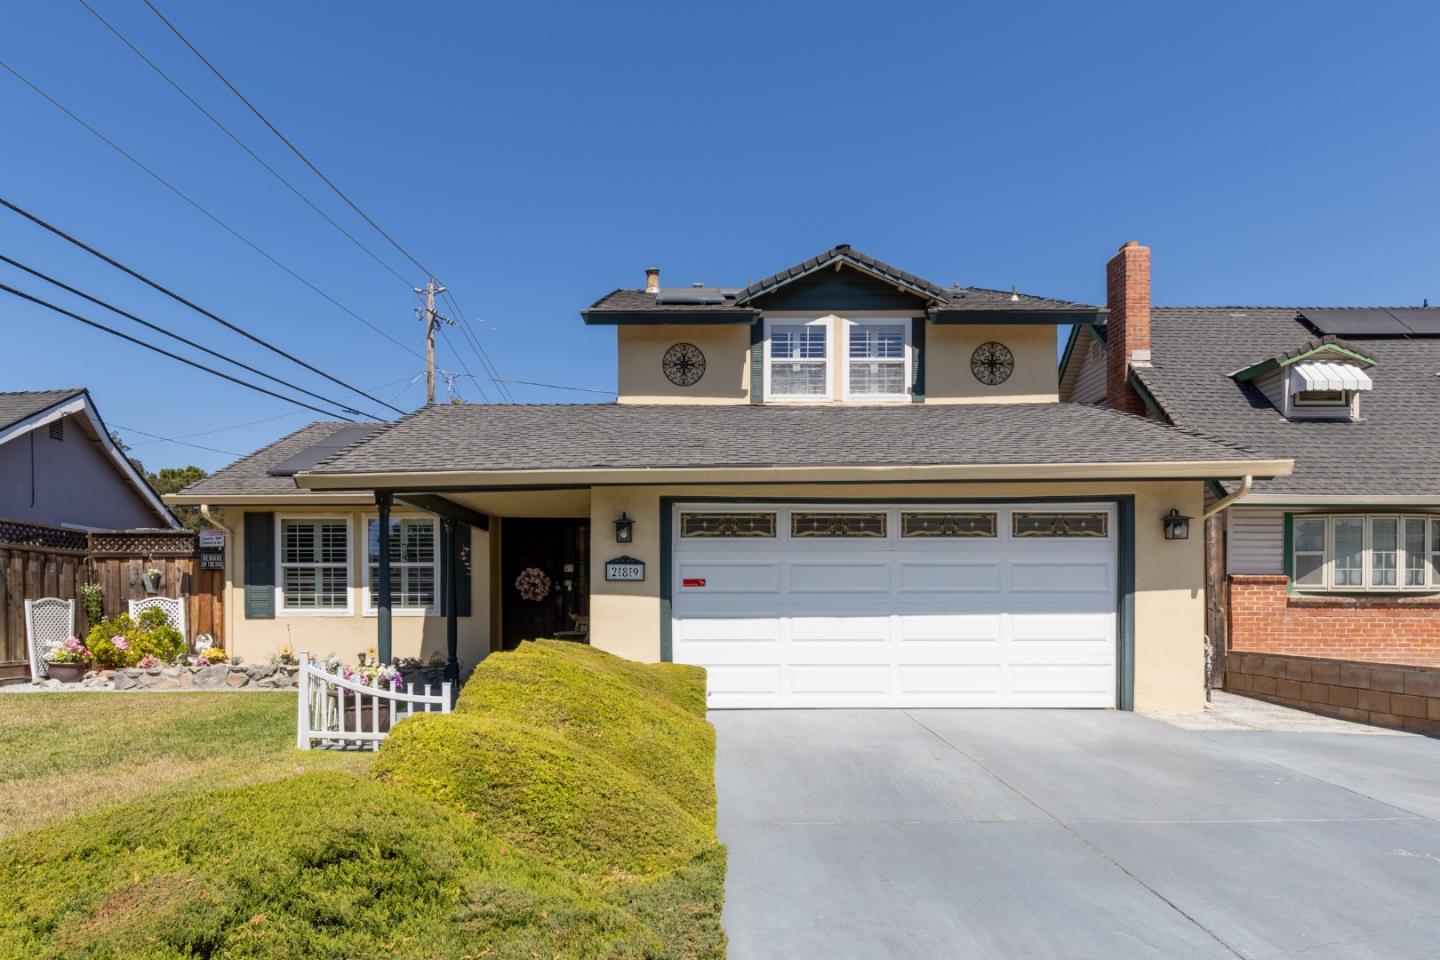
797 363
314 561
1370 552
412 564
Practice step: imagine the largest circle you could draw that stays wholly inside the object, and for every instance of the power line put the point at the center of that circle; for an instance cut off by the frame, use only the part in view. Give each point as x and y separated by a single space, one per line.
160 439
174 336
242 145
192 305
552 386
480 352
286 140
162 351
196 204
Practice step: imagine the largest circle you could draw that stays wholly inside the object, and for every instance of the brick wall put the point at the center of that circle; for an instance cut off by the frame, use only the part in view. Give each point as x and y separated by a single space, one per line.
1127 295
1403 698
1266 618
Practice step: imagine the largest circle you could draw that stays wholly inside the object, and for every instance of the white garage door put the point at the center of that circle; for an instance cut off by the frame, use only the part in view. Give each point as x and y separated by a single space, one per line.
929 605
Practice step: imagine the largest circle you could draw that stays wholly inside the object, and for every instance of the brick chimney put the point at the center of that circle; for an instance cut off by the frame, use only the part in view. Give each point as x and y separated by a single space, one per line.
1127 332
652 279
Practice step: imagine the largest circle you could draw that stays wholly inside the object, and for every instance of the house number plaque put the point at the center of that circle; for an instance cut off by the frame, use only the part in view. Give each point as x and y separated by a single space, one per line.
624 568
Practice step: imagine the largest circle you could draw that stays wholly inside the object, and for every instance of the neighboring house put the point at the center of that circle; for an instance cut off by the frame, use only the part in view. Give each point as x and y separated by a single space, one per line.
59 466
842 485
1340 559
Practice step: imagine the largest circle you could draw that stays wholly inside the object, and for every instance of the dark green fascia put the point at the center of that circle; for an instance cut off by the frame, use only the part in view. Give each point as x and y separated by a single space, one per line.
442 507
616 318
1125 592
1056 317
1151 404
1289 548
1266 366
1070 345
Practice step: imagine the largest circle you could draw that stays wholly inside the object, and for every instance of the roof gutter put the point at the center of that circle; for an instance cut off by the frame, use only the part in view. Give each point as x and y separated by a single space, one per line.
1246 483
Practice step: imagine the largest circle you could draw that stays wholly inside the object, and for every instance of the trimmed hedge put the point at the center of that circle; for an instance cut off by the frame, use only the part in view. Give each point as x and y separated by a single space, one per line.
648 718
322 865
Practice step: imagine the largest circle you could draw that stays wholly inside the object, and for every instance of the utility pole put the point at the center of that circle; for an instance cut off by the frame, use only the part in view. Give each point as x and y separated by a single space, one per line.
432 321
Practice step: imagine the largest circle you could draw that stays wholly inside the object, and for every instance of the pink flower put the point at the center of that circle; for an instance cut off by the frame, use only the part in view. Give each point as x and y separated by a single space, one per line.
120 642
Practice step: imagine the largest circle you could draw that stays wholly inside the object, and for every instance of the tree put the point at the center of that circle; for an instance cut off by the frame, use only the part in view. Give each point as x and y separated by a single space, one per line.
124 449
175 479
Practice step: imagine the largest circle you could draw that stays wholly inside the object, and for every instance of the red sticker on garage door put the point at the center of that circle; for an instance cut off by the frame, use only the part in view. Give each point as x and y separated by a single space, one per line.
693 582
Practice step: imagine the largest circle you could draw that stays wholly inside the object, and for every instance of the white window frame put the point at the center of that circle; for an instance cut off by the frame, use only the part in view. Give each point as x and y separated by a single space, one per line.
283 611
396 610
1431 552
907 355
827 322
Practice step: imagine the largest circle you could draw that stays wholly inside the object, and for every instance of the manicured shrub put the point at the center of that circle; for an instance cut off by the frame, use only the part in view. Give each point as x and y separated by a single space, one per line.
572 805
323 865
641 716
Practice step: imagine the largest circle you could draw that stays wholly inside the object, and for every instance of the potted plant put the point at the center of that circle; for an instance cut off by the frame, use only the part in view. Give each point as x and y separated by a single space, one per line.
370 674
68 661
152 578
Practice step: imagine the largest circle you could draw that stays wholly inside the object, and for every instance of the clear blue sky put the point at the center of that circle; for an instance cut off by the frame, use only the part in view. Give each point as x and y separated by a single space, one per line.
538 155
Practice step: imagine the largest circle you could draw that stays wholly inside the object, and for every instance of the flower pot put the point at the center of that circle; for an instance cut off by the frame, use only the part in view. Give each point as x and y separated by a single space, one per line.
152 582
366 718
67 672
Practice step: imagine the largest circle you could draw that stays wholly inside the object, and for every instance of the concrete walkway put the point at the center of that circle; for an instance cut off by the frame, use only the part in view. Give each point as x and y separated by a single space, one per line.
1070 834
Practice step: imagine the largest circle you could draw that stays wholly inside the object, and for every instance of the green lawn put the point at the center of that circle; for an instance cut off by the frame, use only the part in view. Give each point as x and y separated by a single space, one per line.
63 754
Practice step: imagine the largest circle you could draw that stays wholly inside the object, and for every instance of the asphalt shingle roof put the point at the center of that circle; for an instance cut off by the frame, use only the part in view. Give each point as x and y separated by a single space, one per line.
597 436
22 404
1393 450
844 252
247 475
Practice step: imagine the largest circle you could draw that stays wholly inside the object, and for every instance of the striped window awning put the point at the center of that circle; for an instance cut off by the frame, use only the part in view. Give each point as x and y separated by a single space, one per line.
1322 375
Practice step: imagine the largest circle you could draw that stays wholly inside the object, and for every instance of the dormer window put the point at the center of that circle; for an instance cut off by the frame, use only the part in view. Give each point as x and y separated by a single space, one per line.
1321 398
797 359
1322 380
877 360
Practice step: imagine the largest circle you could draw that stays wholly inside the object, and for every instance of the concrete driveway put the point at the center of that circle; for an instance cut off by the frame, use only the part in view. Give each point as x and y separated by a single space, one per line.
1070 834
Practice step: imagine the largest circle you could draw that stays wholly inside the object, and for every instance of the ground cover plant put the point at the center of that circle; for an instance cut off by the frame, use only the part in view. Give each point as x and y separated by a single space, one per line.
543 819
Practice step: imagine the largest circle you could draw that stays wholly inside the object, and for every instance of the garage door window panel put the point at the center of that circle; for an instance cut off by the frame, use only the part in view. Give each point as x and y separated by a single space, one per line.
838 526
727 526
1060 525
947 525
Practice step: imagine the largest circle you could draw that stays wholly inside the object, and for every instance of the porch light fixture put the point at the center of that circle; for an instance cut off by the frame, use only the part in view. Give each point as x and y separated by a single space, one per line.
624 529
1177 525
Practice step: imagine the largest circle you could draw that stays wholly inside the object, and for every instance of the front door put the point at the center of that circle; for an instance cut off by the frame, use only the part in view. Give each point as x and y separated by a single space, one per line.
544 577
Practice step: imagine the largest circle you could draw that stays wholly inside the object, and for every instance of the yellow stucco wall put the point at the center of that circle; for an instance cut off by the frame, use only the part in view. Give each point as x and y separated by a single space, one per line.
1169 575
412 635
948 348
727 363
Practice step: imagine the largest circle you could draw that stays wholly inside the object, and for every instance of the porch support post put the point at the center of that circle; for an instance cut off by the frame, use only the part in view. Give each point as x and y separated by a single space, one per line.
452 606
382 603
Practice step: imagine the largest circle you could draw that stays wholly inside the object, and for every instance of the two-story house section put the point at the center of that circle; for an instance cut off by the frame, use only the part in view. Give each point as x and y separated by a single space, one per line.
841 486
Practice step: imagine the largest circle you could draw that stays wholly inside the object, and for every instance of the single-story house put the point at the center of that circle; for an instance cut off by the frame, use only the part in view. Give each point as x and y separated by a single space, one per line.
59 466
1339 559
842 485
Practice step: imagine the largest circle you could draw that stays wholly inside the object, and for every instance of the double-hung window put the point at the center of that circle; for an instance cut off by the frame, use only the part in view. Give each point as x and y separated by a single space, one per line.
1370 552
314 565
412 564
798 360
877 363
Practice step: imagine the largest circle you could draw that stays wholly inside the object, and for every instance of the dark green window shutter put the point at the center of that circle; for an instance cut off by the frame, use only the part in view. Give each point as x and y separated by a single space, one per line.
259 566
917 368
757 362
457 552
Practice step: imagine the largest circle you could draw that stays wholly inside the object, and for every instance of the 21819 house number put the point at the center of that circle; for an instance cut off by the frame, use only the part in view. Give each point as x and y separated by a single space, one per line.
625 568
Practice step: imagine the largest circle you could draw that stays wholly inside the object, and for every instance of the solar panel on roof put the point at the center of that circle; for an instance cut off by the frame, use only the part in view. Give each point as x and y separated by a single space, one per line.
1355 322
323 450
689 295
1423 321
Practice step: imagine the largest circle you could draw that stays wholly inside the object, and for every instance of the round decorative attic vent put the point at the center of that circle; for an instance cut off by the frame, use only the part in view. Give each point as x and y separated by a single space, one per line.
684 364
992 363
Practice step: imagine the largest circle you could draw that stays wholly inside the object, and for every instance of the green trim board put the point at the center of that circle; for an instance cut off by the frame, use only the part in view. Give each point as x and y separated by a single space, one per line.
917 370
1275 363
1288 561
1151 403
1125 565
1070 342
613 318
1055 317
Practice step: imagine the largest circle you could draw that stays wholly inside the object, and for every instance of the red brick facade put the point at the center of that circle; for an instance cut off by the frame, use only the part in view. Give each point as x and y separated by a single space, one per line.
1127 295
1266 618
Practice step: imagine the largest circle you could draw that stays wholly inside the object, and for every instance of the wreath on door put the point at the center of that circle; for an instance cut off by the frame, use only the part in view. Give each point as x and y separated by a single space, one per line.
533 584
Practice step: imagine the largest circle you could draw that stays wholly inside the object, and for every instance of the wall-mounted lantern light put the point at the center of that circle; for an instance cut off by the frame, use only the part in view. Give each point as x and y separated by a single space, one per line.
1177 525
624 529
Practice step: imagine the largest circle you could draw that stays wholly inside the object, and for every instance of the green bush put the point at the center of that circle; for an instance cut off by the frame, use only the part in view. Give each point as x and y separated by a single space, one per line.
149 635
648 718
323 865
572 805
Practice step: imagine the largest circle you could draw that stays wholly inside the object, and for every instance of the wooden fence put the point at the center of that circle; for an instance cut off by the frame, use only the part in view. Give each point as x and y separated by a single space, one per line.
42 561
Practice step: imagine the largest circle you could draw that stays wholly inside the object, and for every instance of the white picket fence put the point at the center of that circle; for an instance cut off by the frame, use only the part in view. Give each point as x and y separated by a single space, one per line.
335 712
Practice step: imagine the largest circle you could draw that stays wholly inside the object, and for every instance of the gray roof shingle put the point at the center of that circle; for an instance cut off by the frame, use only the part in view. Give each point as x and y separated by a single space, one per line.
599 436
247 475
22 404
1392 450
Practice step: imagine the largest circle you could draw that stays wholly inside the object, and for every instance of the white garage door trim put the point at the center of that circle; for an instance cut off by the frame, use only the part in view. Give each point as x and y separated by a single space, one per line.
892 621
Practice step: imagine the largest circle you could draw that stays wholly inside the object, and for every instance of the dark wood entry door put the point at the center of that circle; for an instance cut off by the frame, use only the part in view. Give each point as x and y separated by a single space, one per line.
560 549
